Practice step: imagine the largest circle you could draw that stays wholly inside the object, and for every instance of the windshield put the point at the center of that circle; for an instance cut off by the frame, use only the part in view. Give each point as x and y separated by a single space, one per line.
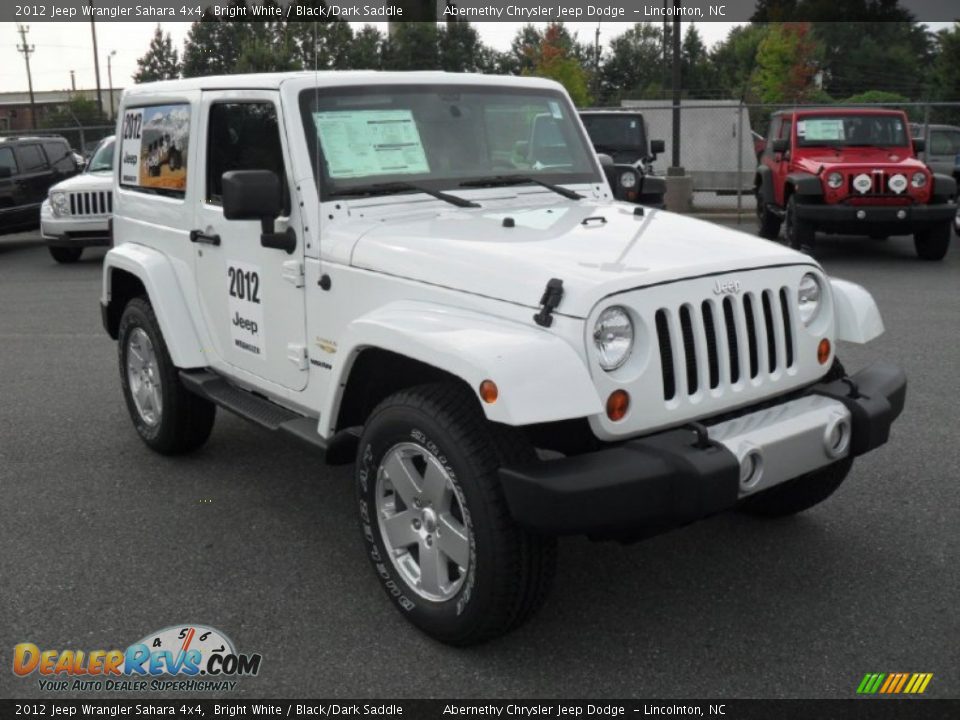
439 136
102 157
614 133
884 130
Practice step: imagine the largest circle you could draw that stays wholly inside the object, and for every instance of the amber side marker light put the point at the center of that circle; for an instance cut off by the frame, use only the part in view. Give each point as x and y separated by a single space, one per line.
489 392
617 405
823 351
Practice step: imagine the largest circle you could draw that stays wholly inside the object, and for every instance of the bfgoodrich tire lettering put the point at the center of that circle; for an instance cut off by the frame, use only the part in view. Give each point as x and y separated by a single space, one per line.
509 569
181 421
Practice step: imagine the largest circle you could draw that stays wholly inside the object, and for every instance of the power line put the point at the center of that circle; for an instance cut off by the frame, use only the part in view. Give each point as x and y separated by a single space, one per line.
27 50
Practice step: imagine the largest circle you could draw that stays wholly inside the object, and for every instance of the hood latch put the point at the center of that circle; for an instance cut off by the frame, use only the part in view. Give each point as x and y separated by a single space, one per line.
552 296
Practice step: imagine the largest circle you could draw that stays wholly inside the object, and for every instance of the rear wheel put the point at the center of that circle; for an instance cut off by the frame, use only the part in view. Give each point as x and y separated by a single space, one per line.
167 417
66 255
932 243
799 494
434 519
768 224
798 233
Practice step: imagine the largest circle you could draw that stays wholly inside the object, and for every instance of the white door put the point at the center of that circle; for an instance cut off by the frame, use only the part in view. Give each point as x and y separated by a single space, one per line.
252 297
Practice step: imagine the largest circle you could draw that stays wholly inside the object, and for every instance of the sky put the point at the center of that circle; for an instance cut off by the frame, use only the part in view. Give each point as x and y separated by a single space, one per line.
66 46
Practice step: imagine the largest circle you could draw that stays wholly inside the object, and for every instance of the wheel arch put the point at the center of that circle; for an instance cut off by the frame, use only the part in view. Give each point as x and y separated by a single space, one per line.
130 271
540 377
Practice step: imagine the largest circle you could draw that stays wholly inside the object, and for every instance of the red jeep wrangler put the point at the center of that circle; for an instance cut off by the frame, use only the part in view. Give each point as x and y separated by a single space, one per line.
850 171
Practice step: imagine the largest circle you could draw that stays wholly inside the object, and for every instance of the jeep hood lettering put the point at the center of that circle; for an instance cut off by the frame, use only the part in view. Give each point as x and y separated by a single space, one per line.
596 248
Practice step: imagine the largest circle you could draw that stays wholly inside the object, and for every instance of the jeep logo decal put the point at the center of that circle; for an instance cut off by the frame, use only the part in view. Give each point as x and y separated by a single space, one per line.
724 287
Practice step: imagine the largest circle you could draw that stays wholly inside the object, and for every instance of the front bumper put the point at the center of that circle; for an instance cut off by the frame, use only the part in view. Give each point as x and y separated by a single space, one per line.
844 218
69 231
646 486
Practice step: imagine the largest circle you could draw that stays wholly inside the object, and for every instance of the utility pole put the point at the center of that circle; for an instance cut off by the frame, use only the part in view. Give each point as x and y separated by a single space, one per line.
110 80
676 88
73 81
96 59
27 50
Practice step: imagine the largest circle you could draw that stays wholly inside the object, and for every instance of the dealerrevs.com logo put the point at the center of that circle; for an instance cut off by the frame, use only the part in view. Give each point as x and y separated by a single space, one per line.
179 658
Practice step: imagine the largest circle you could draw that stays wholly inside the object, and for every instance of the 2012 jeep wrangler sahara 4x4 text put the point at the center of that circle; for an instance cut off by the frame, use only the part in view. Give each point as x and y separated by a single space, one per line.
362 261
850 171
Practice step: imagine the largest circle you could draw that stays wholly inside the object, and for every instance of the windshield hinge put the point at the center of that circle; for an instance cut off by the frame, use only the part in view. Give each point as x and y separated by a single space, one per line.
293 272
552 296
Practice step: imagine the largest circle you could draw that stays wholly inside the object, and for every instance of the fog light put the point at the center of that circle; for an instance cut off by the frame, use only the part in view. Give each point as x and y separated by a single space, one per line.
751 468
861 214
489 391
901 214
823 351
617 405
837 438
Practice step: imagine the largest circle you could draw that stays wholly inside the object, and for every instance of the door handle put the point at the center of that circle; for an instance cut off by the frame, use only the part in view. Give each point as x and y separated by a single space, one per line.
197 236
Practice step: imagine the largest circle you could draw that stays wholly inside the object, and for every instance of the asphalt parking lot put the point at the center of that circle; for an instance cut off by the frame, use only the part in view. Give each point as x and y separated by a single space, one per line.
103 541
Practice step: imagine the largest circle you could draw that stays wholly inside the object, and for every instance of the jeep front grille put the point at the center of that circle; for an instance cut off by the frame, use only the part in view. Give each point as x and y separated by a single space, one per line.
91 203
716 344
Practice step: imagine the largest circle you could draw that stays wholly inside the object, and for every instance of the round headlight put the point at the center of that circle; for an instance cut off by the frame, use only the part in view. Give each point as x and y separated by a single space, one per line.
628 180
808 298
58 201
613 336
898 183
835 180
919 179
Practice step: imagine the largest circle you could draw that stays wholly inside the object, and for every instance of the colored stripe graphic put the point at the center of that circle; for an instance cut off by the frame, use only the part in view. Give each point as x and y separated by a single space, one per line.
894 683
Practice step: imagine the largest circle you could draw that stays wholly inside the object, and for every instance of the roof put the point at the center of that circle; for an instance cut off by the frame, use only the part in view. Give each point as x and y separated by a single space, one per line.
842 110
273 81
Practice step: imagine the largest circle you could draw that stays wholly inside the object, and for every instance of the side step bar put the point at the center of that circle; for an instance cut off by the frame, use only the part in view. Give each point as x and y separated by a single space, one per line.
339 450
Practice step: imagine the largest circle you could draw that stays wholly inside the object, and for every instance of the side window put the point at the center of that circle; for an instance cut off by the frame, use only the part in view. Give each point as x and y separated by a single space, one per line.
243 136
773 132
59 156
31 158
7 160
154 147
785 129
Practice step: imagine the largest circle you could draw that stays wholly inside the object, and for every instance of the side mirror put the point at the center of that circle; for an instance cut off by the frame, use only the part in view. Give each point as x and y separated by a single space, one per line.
781 145
5 172
257 195
657 147
605 160
919 145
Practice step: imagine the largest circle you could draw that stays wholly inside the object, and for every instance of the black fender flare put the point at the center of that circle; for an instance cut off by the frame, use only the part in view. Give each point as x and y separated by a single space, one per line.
944 188
805 184
763 182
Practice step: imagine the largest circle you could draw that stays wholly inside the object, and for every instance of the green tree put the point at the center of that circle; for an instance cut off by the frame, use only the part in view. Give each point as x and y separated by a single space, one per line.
734 59
698 74
633 65
552 60
78 110
460 49
411 46
787 63
161 61
365 52
322 44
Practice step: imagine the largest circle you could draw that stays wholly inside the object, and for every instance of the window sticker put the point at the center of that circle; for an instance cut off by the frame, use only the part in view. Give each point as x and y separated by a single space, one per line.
359 143
154 144
555 109
821 129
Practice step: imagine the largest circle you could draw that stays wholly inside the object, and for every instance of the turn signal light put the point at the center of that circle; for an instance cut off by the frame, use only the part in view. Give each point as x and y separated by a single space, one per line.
823 351
617 405
489 391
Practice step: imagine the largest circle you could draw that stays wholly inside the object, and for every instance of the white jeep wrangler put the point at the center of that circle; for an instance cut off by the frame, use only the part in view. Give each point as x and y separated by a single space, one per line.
383 265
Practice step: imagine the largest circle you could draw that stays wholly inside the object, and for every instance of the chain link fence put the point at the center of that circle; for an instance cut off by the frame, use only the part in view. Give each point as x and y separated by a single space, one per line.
720 142
82 138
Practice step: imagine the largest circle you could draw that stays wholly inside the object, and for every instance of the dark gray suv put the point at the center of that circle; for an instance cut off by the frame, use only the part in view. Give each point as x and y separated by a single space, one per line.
28 167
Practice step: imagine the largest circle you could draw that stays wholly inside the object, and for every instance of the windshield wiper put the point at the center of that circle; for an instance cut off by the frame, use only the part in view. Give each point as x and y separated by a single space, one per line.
392 188
504 180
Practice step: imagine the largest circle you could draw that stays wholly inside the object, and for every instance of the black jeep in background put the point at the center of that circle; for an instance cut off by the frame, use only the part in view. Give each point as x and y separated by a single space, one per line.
29 166
622 136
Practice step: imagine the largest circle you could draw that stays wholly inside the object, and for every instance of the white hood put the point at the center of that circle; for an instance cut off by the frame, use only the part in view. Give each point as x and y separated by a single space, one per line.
85 182
597 248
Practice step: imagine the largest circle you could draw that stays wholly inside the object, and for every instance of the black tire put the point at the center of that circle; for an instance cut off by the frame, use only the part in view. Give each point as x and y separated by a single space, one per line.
798 234
66 255
799 494
510 570
768 224
932 243
185 420
879 235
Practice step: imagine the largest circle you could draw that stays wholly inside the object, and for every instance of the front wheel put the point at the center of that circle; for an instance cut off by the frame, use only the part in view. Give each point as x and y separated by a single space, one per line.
798 233
66 255
932 243
168 417
799 494
435 521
